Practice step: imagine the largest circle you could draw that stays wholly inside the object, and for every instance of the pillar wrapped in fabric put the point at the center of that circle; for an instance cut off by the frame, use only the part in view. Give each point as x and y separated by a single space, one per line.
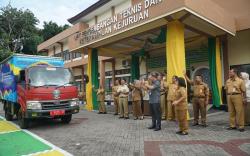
213 71
175 51
135 67
92 73
219 67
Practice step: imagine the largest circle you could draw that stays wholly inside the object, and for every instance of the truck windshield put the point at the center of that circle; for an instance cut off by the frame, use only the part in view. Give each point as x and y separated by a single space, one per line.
50 76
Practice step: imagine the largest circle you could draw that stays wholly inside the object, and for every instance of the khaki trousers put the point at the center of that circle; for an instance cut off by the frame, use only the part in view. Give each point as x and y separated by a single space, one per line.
102 107
236 112
247 113
116 103
137 112
123 105
181 116
163 106
171 111
199 107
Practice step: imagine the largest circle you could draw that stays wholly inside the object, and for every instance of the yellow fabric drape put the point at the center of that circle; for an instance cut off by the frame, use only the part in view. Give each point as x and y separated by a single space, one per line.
218 67
89 105
175 51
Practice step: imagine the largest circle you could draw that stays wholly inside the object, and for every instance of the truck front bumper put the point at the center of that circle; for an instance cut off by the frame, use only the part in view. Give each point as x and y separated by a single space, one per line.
46 113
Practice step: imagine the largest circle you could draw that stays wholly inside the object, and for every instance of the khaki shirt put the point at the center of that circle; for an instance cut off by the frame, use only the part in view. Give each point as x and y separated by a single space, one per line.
123 89
181 92
114 91
136 93
100 95
200 90
170 90
236 86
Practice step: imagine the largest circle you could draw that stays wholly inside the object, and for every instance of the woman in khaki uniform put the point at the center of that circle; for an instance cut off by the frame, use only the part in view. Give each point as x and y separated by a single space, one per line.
170 91
180 103
100 99
136 99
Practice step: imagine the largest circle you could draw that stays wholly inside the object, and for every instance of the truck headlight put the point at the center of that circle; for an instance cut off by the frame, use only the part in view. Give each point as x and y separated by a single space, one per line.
34 105
74 102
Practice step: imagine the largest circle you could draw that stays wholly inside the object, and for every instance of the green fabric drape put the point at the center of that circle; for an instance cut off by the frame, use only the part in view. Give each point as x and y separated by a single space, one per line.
161 38
212 66
135 67
94 76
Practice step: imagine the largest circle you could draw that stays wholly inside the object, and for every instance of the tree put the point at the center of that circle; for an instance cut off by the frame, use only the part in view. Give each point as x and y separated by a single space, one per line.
16 27
51 29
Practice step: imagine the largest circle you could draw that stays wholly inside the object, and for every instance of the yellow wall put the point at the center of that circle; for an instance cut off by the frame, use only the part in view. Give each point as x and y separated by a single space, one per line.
239 48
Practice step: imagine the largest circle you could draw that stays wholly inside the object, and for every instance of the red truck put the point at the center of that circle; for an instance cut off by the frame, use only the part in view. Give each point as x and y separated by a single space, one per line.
34 87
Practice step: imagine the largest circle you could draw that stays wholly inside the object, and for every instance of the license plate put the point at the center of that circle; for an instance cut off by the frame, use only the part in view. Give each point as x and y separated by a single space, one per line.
57 112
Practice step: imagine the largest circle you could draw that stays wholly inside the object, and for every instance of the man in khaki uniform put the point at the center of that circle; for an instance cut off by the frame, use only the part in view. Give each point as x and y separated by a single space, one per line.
200 99
116 96
123 91
170 91
236 93
100 99
163 101
136 99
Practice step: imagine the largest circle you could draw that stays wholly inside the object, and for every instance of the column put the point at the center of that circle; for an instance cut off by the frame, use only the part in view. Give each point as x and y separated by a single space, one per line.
92 73
175 50
135 67
113 72
102 73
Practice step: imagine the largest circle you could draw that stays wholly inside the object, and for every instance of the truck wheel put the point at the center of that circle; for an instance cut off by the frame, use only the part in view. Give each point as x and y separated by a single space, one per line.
23 123
8 116
66 119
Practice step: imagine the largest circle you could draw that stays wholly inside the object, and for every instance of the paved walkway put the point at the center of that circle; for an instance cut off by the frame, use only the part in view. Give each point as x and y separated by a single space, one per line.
16 142
104 134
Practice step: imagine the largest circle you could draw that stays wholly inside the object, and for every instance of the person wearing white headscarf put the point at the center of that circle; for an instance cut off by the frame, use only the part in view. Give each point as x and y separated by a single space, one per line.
245 77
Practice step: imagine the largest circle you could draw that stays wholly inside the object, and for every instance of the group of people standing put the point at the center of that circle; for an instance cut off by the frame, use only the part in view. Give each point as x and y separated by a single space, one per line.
168 100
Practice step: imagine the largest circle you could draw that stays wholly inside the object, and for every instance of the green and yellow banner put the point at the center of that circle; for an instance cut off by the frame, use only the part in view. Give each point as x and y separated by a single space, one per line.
92 73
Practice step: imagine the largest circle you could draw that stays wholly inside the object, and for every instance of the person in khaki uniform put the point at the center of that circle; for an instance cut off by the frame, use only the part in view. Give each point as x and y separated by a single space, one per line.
116 96
100 99
200 99
136 99
123 91
245 77
163 101
180 103
170 92
235 89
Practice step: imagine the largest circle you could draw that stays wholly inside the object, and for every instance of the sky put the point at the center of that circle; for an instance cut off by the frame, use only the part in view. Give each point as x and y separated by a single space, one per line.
51 10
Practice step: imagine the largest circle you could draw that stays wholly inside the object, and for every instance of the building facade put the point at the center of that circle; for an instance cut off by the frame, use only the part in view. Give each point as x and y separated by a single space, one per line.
129 38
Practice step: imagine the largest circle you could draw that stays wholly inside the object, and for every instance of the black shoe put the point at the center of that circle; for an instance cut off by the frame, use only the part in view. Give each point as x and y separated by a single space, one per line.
126 118
116 114
121 117
241 129
99 113
204 125
178 132
151 127
157 129
104 112
195 124
184 133
231 128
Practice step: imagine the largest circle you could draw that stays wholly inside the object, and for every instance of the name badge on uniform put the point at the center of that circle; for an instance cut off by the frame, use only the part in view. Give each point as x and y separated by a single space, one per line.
201 91
234 89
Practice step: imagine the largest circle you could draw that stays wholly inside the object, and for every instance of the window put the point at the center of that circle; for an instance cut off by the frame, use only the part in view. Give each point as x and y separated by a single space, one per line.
76 55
